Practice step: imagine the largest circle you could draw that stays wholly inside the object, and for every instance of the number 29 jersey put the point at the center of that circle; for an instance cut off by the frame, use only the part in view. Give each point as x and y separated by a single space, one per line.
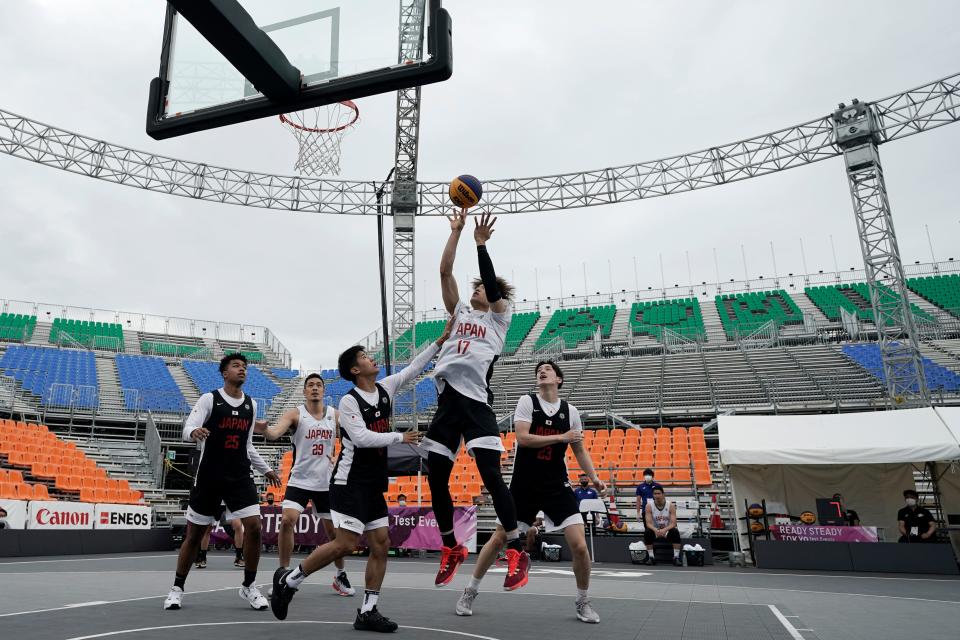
313 444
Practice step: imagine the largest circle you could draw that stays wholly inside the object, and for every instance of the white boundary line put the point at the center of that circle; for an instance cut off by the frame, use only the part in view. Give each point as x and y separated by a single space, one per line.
221 624
792 630
3 564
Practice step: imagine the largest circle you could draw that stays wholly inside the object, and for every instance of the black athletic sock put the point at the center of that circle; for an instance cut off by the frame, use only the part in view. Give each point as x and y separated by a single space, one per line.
238 551
179 581
516 544
439 480
249 577
449 539
488 464
203 554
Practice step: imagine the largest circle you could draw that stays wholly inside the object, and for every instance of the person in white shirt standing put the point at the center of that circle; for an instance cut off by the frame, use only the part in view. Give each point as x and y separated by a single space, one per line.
545 426
223 420
314 427
463 411
359 481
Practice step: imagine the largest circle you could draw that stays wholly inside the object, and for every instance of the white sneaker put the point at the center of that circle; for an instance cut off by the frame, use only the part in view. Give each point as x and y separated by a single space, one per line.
465 603
585 612
253 596
342 585
174 598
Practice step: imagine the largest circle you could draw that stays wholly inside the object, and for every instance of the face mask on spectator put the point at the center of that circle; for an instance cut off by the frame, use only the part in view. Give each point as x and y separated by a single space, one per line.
584 483
911 502
648 479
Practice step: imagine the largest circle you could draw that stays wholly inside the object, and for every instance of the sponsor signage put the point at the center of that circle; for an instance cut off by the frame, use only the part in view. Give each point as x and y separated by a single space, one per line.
822 533
43 514
16 517
122 516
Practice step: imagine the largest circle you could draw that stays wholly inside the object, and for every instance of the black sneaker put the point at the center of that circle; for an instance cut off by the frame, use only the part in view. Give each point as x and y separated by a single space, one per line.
678 561
282 593
373 620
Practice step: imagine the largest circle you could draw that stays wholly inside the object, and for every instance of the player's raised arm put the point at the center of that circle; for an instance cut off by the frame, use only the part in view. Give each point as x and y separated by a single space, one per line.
482 230
276 431
448 284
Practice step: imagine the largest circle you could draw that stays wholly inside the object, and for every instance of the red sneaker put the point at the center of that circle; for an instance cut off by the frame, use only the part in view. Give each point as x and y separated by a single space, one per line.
450 561
518 564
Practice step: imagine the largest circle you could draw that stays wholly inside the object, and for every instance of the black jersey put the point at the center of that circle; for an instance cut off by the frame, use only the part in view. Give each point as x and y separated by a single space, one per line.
544 467
365 465
224 455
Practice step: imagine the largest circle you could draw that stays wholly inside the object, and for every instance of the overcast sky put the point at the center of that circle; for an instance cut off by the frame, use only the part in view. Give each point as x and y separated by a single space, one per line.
538 88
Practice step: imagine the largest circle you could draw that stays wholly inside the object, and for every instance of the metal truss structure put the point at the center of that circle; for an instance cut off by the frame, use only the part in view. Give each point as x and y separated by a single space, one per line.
904 114
404 200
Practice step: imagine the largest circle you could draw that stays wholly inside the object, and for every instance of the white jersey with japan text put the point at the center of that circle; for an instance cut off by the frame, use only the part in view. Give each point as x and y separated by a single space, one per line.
313 443
467 357
660 517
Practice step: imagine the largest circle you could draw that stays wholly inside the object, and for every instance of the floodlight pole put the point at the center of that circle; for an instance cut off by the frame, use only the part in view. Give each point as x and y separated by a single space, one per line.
858 133
404 201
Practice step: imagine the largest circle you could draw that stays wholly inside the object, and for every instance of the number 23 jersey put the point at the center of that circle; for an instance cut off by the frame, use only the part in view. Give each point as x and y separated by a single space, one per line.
544 467
313 443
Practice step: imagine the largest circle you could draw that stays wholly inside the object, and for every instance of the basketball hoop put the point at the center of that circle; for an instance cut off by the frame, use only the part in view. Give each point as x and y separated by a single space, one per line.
318 132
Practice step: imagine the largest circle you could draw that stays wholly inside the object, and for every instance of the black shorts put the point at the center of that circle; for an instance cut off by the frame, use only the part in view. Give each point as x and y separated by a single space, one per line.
297 498
358 508
240 496
457 417
559 505
649 537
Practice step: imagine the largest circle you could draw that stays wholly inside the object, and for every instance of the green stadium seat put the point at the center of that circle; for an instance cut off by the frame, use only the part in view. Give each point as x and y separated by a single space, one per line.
943 291
855 298
93 335
520 327
682 315
744 313
17 327
577 325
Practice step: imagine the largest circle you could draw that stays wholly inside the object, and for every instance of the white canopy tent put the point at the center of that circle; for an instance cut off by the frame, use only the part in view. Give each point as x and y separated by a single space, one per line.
868 457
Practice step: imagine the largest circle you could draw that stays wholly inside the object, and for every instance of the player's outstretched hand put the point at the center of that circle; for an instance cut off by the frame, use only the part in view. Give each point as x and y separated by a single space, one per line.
200 434
572 436
412 437
458 221
273 478
483 229
447 329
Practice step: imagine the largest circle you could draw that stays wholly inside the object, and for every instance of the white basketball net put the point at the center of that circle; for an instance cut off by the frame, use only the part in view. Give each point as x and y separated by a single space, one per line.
318 132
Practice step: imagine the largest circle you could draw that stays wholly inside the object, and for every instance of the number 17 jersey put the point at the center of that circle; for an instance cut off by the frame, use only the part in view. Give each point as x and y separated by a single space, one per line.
466 358
313 443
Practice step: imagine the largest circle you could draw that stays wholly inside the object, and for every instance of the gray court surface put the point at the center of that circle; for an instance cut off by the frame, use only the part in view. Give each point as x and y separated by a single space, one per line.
121 597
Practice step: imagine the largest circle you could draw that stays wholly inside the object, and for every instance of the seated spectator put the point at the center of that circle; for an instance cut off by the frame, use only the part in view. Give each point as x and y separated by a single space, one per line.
585 491
661 525
916 524
270 499
850 517
644 493
402 500
3 519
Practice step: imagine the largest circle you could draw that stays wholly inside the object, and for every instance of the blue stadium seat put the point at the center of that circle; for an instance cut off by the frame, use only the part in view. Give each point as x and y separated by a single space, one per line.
206 375
60 377
284 374
939 378
156 388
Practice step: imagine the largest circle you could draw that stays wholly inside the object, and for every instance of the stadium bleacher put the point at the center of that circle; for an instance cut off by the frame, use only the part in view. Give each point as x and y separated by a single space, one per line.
744 313
682 316
854 298
520 327
939 378
156 388
93 335
941 290
170 350
17 327
54 465
63 377
284 374
206 376
574 326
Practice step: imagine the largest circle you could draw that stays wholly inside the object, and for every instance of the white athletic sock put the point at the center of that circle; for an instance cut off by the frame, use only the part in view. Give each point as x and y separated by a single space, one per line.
296 577
582 595
676 553
369 600
474 583
341 572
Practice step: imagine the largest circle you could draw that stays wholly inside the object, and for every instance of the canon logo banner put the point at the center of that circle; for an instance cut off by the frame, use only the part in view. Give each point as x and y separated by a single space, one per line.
59 515
47 517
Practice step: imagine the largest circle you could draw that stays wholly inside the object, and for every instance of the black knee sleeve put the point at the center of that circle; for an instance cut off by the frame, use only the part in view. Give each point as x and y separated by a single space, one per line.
488 464
440 467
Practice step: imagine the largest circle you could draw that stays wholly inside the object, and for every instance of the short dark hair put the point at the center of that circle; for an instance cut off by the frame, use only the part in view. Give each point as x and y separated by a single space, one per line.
583 475
318 377
347 361
648 472
910 493
658 488
554 366
270 494
506 289
402 495
230 357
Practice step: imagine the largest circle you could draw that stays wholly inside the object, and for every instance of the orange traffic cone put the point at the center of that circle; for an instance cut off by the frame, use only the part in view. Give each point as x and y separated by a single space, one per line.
716 522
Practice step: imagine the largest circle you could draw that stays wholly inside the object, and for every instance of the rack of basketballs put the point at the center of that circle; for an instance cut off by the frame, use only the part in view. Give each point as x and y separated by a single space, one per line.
758 525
